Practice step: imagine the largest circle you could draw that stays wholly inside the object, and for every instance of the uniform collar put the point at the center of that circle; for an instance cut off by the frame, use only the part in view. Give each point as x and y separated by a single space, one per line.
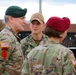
54 42
7 27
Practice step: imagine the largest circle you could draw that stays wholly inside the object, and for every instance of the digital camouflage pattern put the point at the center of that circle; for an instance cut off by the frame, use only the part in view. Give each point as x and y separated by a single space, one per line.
11 65
49 59
28 43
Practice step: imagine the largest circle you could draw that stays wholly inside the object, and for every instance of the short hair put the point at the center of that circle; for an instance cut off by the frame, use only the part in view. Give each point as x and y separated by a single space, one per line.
51 32
6 18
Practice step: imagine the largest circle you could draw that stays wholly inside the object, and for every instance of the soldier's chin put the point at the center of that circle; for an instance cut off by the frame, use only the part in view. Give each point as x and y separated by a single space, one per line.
36 33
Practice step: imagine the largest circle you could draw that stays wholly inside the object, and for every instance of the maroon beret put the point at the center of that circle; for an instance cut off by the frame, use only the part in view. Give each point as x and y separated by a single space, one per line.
58 24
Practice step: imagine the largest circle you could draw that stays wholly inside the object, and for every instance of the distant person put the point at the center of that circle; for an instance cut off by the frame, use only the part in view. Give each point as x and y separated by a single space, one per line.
51 58
37 25
11 55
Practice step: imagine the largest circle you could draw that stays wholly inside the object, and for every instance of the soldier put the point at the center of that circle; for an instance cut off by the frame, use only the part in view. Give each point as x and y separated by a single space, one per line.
37 25
51 58
11 56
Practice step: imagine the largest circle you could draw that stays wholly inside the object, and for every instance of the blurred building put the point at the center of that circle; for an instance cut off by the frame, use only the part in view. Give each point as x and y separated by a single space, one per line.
70 40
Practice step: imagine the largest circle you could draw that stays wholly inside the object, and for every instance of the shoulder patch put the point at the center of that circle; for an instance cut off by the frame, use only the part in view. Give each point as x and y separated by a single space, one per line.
4 45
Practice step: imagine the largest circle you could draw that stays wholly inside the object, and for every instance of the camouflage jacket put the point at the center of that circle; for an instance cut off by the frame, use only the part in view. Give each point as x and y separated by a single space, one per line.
49 59
28 43
11 65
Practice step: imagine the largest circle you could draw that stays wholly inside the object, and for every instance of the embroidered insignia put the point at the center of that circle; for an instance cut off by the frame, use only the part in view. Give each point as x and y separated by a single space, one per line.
4 47
36 16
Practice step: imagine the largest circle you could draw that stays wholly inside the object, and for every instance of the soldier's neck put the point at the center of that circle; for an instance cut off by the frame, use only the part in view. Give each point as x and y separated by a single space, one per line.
37 36
54 39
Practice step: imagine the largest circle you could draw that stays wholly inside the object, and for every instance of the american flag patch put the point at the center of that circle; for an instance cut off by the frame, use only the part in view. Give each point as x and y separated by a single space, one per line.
4 45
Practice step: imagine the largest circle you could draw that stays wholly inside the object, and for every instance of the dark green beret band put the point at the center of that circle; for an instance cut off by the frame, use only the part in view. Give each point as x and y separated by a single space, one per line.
16 11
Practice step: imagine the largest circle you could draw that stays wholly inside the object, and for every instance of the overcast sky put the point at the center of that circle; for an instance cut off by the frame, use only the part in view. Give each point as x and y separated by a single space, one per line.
50 8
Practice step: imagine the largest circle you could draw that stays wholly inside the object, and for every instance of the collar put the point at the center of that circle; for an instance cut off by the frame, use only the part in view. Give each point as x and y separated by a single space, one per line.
7 27
54 42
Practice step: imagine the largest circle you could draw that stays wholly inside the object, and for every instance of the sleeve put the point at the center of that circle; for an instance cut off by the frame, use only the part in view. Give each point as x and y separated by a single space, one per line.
4 53
68 67
25 67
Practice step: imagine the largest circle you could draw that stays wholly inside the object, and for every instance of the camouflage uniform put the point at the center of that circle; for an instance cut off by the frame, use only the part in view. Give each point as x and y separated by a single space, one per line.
13 62
49 59
28 43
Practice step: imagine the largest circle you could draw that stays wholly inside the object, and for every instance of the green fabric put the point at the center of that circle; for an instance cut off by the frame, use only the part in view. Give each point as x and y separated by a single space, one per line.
49 59
29 43
15 11
13 62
